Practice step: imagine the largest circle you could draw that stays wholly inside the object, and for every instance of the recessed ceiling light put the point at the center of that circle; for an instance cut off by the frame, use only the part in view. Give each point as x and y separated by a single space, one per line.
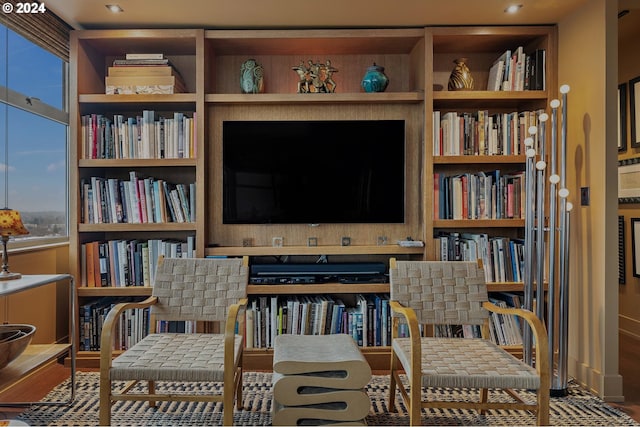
114 8
513 8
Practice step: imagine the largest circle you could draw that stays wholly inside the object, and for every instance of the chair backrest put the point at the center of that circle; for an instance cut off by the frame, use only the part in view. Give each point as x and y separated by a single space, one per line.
198 288
441 292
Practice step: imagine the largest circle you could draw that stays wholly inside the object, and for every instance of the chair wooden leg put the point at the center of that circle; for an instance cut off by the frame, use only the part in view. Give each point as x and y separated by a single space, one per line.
484 397
543 406
392 382
415 400
105 401
227 404
152 390
238 392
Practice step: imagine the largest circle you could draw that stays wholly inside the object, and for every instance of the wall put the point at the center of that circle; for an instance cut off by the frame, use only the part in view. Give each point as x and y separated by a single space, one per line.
587 41
629 293
45 307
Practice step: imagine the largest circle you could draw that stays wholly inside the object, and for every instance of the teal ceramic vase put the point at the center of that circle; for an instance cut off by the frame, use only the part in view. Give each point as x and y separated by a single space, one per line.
251 77
374 79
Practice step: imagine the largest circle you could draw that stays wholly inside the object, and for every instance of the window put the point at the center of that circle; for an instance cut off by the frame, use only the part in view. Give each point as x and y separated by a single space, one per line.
34 137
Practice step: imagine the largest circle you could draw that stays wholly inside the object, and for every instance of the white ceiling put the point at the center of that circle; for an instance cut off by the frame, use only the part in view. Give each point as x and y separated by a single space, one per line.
295 13
88 14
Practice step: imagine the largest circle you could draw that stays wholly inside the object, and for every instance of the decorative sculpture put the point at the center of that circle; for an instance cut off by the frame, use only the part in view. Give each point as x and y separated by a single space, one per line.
251 77
315 77
460 78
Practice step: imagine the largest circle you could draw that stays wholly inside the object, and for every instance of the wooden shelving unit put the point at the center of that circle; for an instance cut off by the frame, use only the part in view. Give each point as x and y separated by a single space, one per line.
415 60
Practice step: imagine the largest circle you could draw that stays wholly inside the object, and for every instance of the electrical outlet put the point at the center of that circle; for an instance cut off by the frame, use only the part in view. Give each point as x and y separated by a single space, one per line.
584 196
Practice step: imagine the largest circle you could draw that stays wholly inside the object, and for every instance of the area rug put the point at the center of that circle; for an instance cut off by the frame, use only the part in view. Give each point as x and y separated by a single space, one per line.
578 408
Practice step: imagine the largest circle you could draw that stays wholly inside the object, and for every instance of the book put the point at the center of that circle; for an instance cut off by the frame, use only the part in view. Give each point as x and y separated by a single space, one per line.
130 85
130 56
91 278
249 340
496 73
539 69
505 58
139 62
103 261
141 71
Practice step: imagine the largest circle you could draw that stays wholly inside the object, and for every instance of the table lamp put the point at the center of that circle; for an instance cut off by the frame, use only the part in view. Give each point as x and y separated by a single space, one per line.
10 225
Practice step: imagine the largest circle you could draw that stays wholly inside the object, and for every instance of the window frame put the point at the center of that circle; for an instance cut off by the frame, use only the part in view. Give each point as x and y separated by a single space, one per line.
24 102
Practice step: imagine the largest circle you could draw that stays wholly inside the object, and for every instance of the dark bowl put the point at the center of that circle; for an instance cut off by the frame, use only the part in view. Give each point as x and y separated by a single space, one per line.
13 341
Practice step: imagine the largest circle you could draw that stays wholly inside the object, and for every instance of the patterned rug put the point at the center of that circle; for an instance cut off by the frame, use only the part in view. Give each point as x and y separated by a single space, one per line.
578 408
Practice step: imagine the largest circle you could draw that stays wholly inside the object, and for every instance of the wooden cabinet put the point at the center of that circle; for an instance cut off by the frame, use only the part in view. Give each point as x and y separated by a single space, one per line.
417 62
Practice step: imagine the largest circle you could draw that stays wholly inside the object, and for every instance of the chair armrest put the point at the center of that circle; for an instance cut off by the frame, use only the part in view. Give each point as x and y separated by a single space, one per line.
414 333
232 317
110 323
230 329
539 334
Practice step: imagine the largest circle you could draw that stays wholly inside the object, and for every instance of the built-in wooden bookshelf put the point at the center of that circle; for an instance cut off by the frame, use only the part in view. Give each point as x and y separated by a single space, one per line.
417 61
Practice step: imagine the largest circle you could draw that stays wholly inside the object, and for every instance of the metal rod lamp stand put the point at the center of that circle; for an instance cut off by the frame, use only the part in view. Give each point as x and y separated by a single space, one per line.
550 254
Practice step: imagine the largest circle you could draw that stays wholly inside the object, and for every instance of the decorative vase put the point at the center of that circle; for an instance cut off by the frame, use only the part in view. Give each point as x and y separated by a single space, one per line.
460 78
374 79
251 77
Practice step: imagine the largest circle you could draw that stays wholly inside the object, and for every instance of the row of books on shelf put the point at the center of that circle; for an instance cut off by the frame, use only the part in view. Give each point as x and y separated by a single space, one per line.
143 73
482 133
517 70
133 325
136 200
480 195
122 263
367 320
149 135
502 257
504 329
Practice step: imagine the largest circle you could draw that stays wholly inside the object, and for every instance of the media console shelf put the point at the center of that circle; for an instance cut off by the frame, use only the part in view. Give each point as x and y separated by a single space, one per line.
313 250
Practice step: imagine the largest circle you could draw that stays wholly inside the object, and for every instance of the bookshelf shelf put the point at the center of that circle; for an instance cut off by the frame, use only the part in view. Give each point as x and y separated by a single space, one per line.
89 100
488 99
472 160
305 98
109 291
147 227
314 250
136 163
478 223
324 288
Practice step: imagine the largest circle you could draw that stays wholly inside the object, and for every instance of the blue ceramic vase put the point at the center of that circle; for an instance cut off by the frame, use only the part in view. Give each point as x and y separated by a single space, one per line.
374 79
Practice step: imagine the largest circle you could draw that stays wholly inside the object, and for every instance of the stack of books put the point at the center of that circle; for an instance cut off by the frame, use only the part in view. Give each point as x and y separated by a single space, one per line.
143 73
516 70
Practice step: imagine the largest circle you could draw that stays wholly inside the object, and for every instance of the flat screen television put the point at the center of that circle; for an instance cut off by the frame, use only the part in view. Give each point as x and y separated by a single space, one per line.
313 172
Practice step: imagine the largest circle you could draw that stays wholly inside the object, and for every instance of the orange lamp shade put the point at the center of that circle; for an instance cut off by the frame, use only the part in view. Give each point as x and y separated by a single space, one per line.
11 223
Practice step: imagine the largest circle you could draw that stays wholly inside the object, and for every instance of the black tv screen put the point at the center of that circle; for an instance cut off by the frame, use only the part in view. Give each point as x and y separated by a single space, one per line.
313 172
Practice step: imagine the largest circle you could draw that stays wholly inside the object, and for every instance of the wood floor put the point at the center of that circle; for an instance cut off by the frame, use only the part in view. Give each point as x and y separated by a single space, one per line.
629 355
37 386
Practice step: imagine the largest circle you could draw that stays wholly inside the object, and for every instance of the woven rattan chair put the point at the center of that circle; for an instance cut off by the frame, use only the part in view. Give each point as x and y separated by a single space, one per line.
455 293
184 289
